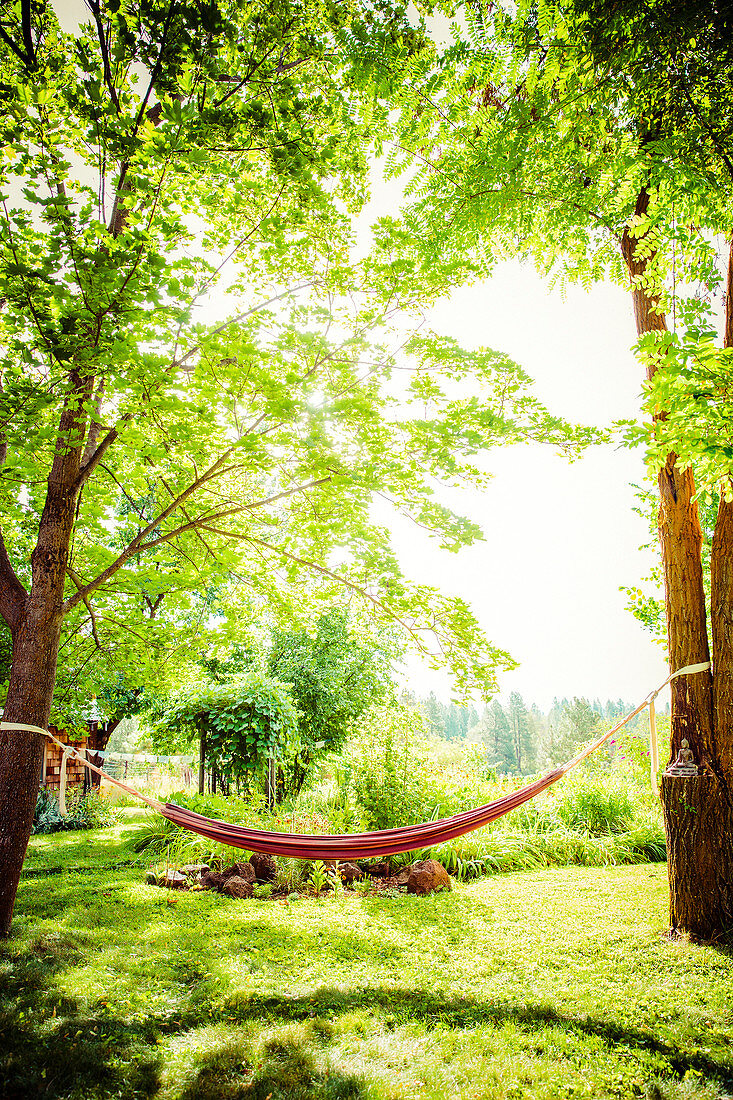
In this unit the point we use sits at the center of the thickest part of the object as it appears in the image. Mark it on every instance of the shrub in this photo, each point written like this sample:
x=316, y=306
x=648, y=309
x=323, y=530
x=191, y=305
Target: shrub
x=85, y=811
x=595, y=808
x=90, y=811
x=47, y=817
x=389, y=771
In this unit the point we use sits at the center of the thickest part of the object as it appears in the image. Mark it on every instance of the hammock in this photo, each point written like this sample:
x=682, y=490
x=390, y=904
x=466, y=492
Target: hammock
x=385, y=842
x=361, y=845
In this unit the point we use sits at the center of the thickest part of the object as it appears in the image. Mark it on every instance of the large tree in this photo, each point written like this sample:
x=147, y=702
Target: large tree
x=597, y=137
x=157, y=442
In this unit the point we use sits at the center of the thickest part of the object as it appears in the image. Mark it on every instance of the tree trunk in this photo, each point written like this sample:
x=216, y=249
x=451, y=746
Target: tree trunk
x=721, y=615
x=35, y=620
x=699, y=822
x=21, y=754
x=680, y=538
x=697, y=812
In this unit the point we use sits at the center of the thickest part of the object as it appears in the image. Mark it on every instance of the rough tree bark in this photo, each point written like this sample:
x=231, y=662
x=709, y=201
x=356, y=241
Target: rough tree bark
x=34, y=619
x=697, y=811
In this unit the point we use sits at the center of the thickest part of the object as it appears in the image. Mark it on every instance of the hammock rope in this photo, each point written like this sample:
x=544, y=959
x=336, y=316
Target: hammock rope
x=374, y=844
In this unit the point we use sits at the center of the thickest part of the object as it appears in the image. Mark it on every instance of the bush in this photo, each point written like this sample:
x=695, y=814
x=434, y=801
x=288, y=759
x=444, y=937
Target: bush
x=597, y=809
x=389, y=775
x=47, y=817
x=85, y=811
x=90, y=811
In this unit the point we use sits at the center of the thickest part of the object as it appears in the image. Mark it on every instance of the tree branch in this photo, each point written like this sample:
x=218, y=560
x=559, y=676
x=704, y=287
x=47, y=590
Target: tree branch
x=318, y=569
x=96, y=457
x=13, y=594
x=9, y=42
x=203, y=522
x=25, y=20
x=241, y=317
x=136, y=548
x=94, y=430
x=87, y=603
x=104, y=48
x=138, y=544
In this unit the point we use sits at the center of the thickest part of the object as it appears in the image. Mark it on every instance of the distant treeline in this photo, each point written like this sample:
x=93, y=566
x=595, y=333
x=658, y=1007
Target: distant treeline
x=521, y=739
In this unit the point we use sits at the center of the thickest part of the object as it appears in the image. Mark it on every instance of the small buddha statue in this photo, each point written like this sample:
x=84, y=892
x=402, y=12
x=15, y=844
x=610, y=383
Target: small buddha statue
x=684, y=756
x=685, y=762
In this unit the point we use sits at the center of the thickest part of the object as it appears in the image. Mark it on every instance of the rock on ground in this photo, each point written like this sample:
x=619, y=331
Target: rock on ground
x=212, y=880
x=348, y=872
x=174, y=880
x=381, y=869
x=426, y=876
x=237, y=887
x=241, y=870
x=194, y=870
x=264, y=865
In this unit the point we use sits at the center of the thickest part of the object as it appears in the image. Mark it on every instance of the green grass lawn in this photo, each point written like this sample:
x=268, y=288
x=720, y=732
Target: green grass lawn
x=552, y=983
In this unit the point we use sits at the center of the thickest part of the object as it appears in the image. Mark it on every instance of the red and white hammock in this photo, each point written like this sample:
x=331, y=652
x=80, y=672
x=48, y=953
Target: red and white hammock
x=384, y=842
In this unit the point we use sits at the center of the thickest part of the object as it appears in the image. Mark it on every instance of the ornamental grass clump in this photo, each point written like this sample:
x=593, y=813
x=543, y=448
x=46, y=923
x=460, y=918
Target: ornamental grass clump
x=158, y=835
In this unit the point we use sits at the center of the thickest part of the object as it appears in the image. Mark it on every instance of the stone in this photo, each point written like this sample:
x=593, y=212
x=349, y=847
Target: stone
x=194, y=870
x=174, y=880
x=381, y=869
x=403, y=877
x=426, y=876
x=348, y=872
x=237, y=887
x=212, y=880
x=264, y=865
x=241, y=870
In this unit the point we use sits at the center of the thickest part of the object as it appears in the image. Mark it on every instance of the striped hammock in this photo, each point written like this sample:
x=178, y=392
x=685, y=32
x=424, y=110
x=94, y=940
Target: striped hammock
x=384, y=842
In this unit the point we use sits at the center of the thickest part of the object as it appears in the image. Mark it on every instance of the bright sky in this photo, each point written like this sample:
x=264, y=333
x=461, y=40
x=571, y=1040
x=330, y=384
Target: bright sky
x=561, y=538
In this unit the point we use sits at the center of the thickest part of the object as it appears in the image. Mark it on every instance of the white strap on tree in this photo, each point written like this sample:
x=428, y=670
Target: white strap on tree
x=688, y=670
x=69, y=750
x=653, y=747
x=62, y=781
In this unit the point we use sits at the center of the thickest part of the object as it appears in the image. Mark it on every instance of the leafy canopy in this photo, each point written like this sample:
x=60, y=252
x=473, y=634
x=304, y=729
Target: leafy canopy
x=334, y=676
x=322, y=681
x=582, y=133
x=183, y=308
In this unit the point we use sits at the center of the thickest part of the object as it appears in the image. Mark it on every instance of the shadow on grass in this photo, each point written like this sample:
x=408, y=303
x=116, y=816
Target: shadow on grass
x=49, y=1049
x=55, y=1047
x=404, y=1006
x=285, y=1072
